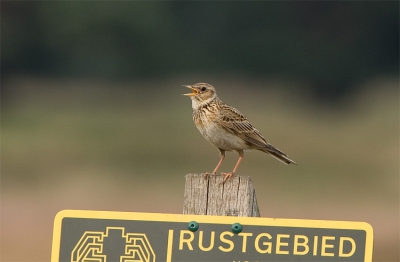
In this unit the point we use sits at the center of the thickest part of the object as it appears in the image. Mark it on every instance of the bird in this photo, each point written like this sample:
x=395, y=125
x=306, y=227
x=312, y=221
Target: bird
x=227, y=128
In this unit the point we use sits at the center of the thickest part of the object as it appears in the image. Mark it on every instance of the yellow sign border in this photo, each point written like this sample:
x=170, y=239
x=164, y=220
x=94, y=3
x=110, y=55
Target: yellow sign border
x=251, y=221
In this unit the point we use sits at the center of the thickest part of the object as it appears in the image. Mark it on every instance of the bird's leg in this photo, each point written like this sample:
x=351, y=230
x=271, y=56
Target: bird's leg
x=222, y=157
x=229, y=175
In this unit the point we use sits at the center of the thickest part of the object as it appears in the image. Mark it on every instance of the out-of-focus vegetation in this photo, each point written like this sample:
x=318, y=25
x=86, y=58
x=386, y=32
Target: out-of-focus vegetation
x=92, y=115
x=331, y=45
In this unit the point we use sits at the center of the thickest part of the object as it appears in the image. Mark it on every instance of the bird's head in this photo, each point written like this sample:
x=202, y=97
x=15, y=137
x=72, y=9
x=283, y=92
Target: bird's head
x=202, y=93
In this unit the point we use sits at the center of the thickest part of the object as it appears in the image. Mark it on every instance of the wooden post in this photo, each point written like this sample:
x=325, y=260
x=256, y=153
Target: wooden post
x=208, y=196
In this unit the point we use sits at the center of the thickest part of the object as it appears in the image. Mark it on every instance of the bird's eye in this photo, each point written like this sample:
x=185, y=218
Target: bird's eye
x=203, y=88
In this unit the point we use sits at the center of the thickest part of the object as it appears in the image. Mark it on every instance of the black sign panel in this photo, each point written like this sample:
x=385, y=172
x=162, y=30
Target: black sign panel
x=119, y=236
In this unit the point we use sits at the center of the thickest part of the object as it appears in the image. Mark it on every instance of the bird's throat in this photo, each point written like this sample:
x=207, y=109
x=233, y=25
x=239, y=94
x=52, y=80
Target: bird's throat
x=198, y=103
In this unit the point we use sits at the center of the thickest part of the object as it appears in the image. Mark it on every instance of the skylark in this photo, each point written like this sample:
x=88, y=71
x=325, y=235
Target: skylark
x=226, y=128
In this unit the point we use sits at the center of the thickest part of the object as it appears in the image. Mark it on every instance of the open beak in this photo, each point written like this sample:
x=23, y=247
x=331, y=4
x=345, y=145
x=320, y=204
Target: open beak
x=193, y=89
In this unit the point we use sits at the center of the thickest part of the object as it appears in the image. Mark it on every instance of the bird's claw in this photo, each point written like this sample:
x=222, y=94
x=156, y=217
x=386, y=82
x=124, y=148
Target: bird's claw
x=207, y=174
x=227, y=176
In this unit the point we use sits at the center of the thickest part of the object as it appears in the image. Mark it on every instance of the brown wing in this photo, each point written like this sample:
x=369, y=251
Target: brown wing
x=237, y=123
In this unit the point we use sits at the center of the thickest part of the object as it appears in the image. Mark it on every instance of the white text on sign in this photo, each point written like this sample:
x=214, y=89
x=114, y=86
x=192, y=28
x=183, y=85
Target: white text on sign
x=265, y=243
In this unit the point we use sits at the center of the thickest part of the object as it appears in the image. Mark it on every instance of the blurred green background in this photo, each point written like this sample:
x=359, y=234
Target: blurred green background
x=92, y=115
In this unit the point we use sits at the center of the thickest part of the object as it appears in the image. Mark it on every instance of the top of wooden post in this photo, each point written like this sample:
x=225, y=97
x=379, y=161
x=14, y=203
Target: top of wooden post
x=208, y=196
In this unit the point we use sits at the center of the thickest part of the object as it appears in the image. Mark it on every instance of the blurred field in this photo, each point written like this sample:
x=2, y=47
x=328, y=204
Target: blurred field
x=82, y=144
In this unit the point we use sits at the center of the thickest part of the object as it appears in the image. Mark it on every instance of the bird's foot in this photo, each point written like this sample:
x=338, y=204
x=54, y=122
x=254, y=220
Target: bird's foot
x=227, y=176
x=207, y=174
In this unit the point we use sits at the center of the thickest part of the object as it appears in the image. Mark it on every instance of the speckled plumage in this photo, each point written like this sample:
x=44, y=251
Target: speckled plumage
x=226, y=128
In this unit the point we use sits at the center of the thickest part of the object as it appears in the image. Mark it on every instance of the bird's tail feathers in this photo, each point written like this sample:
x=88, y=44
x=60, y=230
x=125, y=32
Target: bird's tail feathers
x=278, y=154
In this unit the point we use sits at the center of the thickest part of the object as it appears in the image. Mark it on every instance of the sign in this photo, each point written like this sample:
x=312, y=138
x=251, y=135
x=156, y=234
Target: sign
x=124, y=236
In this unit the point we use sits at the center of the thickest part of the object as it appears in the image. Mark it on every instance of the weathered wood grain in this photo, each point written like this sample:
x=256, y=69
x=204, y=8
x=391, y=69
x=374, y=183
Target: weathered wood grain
x=208, y=196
